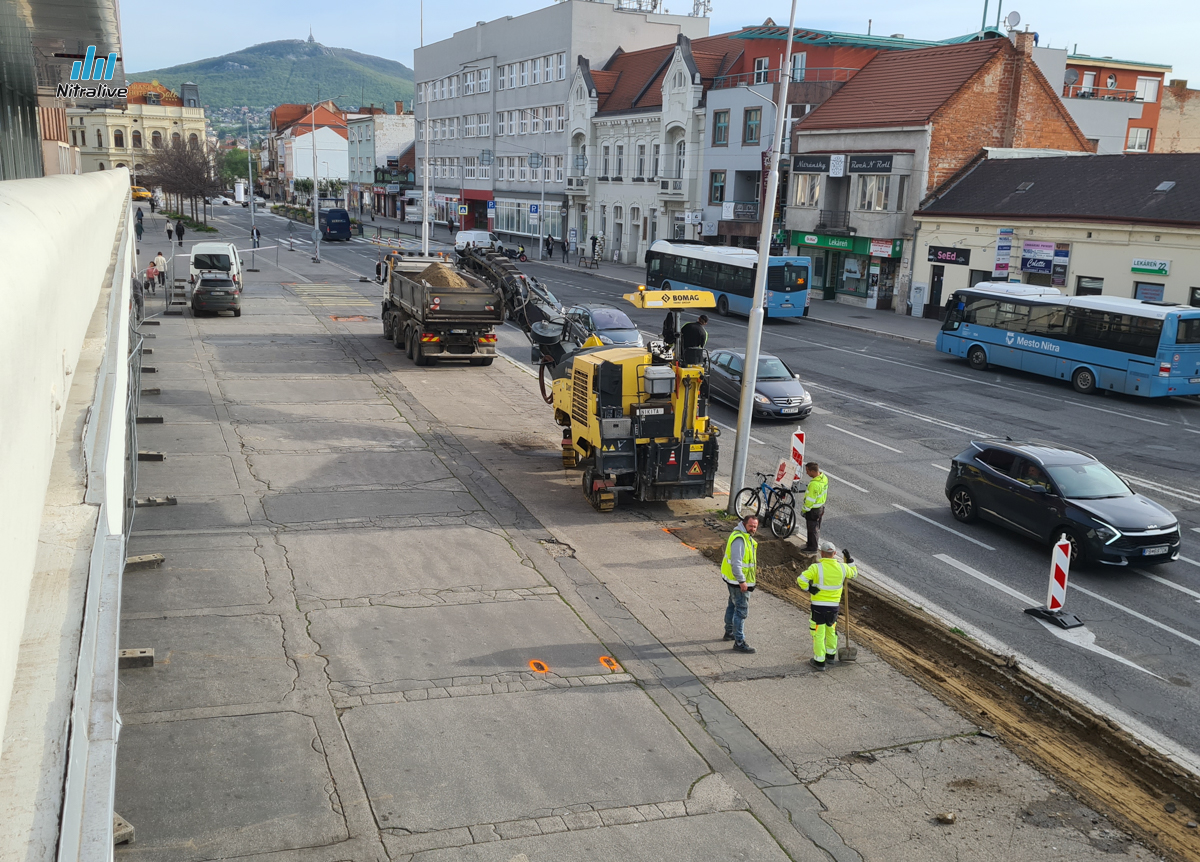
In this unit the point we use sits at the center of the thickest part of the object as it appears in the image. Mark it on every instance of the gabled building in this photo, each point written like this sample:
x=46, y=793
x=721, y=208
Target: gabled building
x=858, y=172
x=376, y=140
x=637, y=132
x=288, y=148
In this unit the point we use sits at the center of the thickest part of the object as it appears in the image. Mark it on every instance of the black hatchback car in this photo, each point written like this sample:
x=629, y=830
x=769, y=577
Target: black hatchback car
x=216, y=292
x=1045, y=491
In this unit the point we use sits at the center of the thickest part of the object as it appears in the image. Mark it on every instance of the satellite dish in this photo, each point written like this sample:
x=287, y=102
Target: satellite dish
x=1071, y=78
x=1012, y=20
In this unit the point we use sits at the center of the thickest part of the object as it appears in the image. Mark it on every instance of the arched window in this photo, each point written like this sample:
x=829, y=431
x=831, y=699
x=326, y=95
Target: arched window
x=118, y=140
x=102, y=166
x=120, y=164
x=193, y=140
x=680, y=152
x=175, y=138
x=139, y=167
x=137, y=139
x=156, y=140
x=99, y=139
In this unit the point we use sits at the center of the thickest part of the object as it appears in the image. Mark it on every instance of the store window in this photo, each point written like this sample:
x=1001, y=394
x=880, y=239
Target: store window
x=716, y=187
x=720, y=129
x=1086, y=285
x=808, y=190
x=1148, y=290
x=975, y=276
x=751, y=126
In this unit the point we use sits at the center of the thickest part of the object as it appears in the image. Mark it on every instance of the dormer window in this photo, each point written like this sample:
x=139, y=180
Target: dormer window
x=153, y=99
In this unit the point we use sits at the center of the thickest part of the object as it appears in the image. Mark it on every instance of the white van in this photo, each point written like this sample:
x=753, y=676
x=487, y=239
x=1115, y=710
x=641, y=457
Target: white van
x=215, y=257
x=477, y=238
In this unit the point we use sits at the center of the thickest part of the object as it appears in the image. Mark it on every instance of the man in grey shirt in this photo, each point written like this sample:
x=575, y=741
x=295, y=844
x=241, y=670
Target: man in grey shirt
x=738, y=569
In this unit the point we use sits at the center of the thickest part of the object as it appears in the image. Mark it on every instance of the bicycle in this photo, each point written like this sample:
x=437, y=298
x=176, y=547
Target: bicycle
x=778, y=501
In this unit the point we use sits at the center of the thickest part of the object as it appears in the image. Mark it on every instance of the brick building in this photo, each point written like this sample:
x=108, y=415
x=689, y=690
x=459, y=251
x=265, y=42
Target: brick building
x=906, y=123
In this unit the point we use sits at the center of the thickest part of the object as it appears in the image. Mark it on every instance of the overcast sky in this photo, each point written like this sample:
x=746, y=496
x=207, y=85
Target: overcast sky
x=1162, y=31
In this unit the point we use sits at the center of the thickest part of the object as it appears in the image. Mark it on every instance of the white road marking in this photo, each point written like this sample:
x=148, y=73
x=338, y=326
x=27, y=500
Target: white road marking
x=1159, y=579
x=1190, y=560
x=971, y=432
x=1196, y=529
x=1187, y=496
x=940, y=467
x=844, y=482
x=980, y=576
x=865, y=439
x=973, y=541
x=734, y=430
x=1134, y=613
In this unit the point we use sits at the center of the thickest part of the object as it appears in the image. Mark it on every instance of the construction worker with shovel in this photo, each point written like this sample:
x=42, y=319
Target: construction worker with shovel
x=825, y=581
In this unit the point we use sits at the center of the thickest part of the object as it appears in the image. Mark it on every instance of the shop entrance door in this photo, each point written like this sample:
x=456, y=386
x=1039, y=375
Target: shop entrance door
x=833, y=272
x=933, y=307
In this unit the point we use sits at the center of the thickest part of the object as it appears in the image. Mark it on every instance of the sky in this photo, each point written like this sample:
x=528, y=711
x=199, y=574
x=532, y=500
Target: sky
x=1162, y=31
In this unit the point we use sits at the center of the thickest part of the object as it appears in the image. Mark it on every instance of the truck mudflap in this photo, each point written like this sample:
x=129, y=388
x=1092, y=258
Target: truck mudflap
x=457, y=345
x=678, y=470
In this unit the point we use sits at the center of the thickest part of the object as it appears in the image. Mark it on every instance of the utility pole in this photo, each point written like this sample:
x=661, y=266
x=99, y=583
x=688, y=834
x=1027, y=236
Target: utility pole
x=316, y=197
x=426, y=209
x=741, y=446
x=250, y=170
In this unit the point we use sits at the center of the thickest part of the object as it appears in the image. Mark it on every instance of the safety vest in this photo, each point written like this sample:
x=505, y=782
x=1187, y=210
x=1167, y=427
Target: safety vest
x=749, y=559
x=818, y=490
x=829, y=575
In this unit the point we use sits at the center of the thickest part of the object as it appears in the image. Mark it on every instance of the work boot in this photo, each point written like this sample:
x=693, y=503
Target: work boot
x=830, y=657
x=818, y=665
x=742, y=646
x=728, y=636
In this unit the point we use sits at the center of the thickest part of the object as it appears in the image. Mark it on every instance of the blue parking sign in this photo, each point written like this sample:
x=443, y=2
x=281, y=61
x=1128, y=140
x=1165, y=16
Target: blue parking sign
x=491, y=205
x=533, y=209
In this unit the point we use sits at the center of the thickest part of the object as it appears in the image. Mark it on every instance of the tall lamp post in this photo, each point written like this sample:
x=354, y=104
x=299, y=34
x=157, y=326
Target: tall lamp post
x=316, y=197
x=741, y=446
x=250, y=171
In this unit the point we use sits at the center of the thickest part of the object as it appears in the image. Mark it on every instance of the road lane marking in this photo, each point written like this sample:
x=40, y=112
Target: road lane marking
x=1189, y=560
x=1187, y=496
x=1133, y=613
x=940, y=467
x=1196, y=529
x=1161, y=580
x=970, y=539
x=844, y=482
x=866, y=439
x=980, y=576
x=971, y=432
x=734, y=430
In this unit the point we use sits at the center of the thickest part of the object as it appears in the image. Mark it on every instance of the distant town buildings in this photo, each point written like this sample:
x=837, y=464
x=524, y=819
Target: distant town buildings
x=375, y=141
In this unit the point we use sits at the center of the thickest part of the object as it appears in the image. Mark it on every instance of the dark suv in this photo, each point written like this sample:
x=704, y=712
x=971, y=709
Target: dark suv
x=1045, y=491
x=216, y=292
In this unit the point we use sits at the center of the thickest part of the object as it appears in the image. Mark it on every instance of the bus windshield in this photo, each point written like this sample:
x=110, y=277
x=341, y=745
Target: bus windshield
x=795, y=277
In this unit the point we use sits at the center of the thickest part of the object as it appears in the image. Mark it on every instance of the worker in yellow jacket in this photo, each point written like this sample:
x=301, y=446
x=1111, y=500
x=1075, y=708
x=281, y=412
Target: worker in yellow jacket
x=823, y=580
x=813, y=507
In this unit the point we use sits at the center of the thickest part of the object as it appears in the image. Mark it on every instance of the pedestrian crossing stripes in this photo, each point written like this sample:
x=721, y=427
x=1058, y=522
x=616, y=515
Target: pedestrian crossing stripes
x=329, y=295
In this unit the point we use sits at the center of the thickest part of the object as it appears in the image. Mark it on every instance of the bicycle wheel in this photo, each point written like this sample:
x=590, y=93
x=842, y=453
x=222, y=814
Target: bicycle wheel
x=747, y=503
x=783, y=521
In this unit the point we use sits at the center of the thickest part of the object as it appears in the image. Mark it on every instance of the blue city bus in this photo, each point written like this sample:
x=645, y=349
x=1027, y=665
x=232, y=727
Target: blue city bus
x=729, y=273
x=1099, y=343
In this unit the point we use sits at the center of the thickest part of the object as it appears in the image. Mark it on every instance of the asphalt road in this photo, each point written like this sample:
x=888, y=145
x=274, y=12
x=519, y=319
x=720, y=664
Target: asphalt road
x=889, y=417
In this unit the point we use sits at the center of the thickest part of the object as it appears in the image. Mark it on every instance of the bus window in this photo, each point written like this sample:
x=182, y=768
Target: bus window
x=1012, y=315
x=1047, y=320
x=654, y=269
x=795, y=277
x=1189, y=331
x=954, y=314
x=981, y=312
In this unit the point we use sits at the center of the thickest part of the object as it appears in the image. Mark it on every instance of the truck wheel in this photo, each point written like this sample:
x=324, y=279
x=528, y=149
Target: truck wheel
x=419, y=357
x=397, y=335
x=408, y=345
x=484, y=361
x=387, y=326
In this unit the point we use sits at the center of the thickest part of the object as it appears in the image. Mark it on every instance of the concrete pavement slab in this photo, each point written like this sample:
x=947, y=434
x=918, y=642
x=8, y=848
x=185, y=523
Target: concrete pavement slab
x=216, y=788
x=194, y=578
x=294, y=471
x=603, y=746
x=316, y=506
x=732, y=835
x=173, y=369
x=304, y=436
x=285, y=368
x=176, y=414
x=297, y=391
x=194, y=439
x=177, y=391
x=392, y=560
x=188, y=475
x=224, y=324
x=346, y=412
x=196, y=513
x=411, y=647
x=206, y=661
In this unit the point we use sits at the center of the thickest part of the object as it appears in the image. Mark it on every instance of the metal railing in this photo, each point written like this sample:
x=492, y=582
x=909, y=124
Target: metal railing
x=834, y=219
x=1079, y=91
x=771, y=76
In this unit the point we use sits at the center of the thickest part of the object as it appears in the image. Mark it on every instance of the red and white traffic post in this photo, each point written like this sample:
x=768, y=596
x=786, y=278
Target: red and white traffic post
x=797, y=452
x=1056, y=594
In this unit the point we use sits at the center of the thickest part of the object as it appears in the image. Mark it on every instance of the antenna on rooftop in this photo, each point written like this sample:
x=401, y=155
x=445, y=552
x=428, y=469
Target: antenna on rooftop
x=1012, y=19
x=701, y=8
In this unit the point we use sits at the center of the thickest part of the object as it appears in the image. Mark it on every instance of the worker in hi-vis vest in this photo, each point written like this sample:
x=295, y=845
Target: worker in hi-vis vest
x=824, y=580
x=738, y=569
x=813, y=508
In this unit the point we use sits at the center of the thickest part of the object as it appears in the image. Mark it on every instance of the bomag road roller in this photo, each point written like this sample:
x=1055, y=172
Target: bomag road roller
x=634, y=420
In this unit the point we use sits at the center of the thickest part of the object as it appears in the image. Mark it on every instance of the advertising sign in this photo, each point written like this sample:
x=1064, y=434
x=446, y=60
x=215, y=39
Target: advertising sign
x=803, y=164
x=1004, y=241
x=881, y=248
x=837, y=166
x=944, y=254
x=1037, y=256
x=392, y=189
x=1148, y=292
x=1146, y=266
x=871, y=164
x=1062, y=260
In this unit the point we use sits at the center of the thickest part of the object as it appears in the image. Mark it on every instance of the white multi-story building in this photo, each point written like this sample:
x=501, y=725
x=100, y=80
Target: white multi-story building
x=494, y=99
x=375, y=138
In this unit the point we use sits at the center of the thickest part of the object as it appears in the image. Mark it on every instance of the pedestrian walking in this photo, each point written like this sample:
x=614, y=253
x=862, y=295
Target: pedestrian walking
x=813, y=508
x=824, y=581
x=161, y=263
x=255, y=237
x=139, y=215
x=151, y=276
x=549, y=247
x=138, y=229
x=738, y=568
x=694, y=336
x=565, y=250
x=179, y=232
x=170, y=230
x=153, y=204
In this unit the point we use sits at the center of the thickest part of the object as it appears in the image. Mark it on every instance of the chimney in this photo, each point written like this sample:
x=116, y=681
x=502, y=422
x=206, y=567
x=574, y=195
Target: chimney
x=399, y=107
x=1024, y=42
x=1178, y=83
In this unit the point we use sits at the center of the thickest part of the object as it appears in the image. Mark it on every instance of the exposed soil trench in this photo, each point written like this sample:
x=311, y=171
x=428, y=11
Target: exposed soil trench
x=1103, y=765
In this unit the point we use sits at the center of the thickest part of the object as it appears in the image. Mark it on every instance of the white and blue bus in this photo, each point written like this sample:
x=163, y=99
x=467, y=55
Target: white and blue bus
x=1099, y=343
x=729, y=273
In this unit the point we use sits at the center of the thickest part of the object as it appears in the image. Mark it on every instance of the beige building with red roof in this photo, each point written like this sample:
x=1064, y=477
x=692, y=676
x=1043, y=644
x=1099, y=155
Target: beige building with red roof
x=153, y=116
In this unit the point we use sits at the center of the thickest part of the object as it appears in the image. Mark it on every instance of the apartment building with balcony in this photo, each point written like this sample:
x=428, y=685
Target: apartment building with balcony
x=375, y=141
x=857, y=176
x=494, y=99
x=1095, y=84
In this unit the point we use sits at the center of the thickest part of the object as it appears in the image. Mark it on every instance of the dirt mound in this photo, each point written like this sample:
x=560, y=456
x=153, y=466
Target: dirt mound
x=440, y=275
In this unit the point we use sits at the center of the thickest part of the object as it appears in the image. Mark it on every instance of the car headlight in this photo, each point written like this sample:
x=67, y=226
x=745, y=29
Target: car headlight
x=805, y=398
x=1107, y=534
x=761, y=399
x=604, y=339
x=641, y=341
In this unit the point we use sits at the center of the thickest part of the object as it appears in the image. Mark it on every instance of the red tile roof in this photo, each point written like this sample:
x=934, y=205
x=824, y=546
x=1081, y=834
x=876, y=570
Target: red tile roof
x=322, y=118
x=633, y=80
x=903, y=88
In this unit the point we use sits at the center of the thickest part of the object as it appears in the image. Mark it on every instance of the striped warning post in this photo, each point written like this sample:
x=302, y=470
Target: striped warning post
x=797, y=451
x=1060, y=565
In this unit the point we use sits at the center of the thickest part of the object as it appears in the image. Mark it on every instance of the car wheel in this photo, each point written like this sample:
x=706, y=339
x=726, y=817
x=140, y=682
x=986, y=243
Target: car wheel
x=1084, y=381
x=723, y=306
x=962, y=505
x=237, y=312
x=1078, y=551
x=977, y=358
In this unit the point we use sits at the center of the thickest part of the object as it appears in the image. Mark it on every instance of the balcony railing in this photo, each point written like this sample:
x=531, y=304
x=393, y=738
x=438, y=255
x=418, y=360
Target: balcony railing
x=771, y=76
x=1079, y=91
x=739, y=211
x=834, y=219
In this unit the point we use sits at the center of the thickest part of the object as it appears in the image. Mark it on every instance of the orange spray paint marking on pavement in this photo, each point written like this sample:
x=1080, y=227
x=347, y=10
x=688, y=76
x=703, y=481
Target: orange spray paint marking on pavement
x=610, y=663
x=538, y=666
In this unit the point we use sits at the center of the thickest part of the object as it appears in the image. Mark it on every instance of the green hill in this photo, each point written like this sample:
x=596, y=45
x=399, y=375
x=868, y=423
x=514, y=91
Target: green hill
x=274, y=73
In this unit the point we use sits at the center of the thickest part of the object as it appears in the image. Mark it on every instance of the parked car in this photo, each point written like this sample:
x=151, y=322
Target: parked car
x=141, y=194
x=215, y=293
x=1044, y=491
x=606, y=322
x=219, y=200
x=219, y=257
x=477, y=238
x=778, y=392
x=258, y=201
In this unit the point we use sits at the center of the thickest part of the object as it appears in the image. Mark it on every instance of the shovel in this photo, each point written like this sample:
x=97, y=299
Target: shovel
x=849, y=652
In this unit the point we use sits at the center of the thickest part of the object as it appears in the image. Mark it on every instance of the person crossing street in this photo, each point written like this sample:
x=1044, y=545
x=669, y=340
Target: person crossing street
x=824, y=581
x=813, y=508
x=738, y=569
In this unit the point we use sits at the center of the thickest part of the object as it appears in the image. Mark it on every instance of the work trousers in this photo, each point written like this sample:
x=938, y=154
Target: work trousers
x=812, y=521
x=736, y=612
x=823, y=626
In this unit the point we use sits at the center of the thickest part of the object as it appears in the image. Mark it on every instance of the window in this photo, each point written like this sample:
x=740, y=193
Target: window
x=524, y=122
x=1138, y=141
x=641, y=161
x=484, y=172
x=560, y=118
x=620, y=160
x=654, y=163
x=1086, y=285
x=808, y=190
x=469, y=127
x=716, y=187
x=485, y=125
x=881, y=192
x=468, y=83
x=99, y=138
x=524, y=82
x=720, y=128
x=1189, y=328
x=1147, y=89
x=799, y=61
x=512, y=122
x=485, y=80
x=548, y=168
x=452, y=86
x=522, y=168
x=1194, y=301
x=558, y=169
x=499, y=123
x=512, y=76
x=680, y=159
x=998, y=459
x=535, y=73
x=118, y=139
x=537, y=120
x=604, y=161
x=751, y=125
x=501, y=77
x=562, y=67
x=760, y=70
x=156, y=140
x=193, y=139
x=75, y=142
x=1089, y=82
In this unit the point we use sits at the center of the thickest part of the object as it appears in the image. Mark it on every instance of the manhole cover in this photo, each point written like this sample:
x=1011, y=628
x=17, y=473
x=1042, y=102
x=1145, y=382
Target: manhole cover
x=354, y=317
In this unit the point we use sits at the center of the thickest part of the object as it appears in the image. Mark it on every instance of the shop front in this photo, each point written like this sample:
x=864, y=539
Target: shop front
x=856, y=270
x=476, y=216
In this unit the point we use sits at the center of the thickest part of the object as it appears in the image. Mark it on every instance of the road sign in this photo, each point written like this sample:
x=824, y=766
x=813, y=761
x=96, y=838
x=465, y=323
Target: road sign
x=463, y=209
x=1056, y=593
x=533, y=209
x=491, y=206
x=695, y=469
x=783, y=473
x=316, y=235
x=797, y=451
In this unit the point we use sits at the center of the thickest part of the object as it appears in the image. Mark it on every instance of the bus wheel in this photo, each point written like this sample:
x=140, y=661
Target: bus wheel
x=723, y=306
x=977, y=358
x=1084, y=381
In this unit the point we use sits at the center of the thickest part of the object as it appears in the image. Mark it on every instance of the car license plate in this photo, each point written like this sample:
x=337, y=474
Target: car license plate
x=1194, y=380
x=790, y=410
x=217, y=293
x=458, y=332
x=1156, y=550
